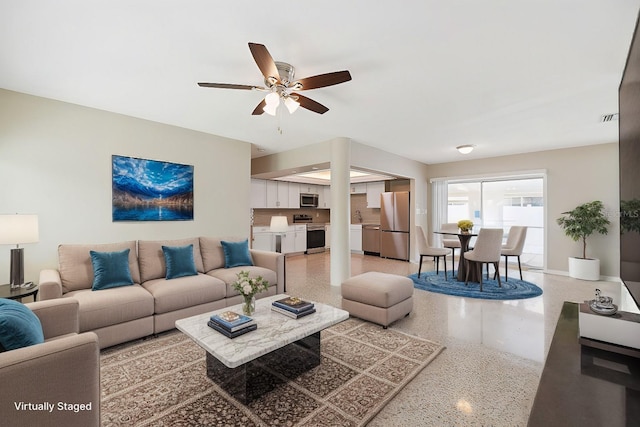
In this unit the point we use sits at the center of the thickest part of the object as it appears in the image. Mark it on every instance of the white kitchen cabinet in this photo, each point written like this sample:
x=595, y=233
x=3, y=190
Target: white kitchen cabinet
x=300, y=244
x=360, y=188
x=374, y=189
x=309, y=188
x=324, y=197
x=327, y=236
x=294, y=195
x=355, y=241
x=277, y=194
x=263, y=241
x=288, y=242
x=258, y=193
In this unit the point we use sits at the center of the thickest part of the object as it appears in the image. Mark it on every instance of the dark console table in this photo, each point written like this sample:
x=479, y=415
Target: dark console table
x=585, y=386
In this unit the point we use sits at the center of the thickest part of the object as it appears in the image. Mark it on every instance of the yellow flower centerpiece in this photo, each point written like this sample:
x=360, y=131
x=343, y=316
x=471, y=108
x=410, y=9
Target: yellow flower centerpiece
x=465, y=225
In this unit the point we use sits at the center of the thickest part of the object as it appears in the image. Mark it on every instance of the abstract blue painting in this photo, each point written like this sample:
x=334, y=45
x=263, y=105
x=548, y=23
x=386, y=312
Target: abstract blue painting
x=150, y=190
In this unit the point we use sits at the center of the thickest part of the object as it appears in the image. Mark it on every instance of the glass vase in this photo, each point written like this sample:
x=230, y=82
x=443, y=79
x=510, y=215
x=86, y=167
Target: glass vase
x=249, y=305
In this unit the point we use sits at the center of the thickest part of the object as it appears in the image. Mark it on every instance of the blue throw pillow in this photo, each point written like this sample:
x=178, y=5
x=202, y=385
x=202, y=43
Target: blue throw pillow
x=110, y=269
x=19, y=326
x=236, y=254
x=179, y=261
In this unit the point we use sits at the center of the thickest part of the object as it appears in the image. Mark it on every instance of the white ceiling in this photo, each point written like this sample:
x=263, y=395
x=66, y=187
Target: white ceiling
x=509, y=76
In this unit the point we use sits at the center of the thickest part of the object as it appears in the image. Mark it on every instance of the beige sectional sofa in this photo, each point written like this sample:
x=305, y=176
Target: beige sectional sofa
x=153, y=303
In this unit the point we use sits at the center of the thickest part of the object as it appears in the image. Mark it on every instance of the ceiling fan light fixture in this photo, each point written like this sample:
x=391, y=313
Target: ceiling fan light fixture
x=465, y=149
x=271, y=103
x=291, y=104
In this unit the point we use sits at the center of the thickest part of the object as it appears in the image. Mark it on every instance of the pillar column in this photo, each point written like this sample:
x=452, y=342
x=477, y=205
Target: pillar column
x=340, y=210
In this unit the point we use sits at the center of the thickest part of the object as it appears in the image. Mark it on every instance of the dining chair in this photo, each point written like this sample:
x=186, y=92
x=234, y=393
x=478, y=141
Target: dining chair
x=513, y=247
x=451, y=242
x=426, y=250
x=486, y=251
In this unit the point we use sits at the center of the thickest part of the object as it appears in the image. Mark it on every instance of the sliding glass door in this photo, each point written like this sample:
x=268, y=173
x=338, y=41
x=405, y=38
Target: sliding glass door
x=501, y=203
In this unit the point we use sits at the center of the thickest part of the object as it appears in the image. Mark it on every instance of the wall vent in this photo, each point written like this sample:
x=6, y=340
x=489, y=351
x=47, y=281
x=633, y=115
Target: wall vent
x=609, y=117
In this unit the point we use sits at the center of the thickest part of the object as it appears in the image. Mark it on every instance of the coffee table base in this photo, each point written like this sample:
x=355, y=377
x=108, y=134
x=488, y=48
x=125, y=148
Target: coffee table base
x=253, y=379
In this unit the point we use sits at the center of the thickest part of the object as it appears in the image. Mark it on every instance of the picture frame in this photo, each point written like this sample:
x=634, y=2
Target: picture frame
x=150, y=190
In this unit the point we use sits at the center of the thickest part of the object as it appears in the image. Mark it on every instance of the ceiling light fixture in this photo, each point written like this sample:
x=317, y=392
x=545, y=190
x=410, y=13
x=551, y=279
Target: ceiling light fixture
x=271, y=103
x=465, y=149
x=291, y=104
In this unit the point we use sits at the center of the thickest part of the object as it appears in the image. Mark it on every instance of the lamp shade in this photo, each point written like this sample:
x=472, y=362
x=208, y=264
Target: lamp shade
x=17, y=229
x=279, y=224
x=291, y=105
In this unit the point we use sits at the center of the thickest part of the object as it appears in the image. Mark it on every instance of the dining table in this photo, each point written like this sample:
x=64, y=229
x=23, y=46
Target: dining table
x=465, y=238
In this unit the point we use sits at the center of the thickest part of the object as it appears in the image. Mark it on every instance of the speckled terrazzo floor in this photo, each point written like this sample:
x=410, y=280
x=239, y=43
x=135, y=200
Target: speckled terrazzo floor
x=488, y=375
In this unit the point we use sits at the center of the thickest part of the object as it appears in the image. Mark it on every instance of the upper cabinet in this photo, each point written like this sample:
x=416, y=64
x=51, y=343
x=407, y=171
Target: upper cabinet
x=294, y=195
x=274, y=194
x=374, y=189
x=360, y=188
x=278, y=194
x=258, y=193
x=324, y=197
x=309, y=188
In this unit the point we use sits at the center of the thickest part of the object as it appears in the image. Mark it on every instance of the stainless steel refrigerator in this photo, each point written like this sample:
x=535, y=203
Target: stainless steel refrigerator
x=394, y=225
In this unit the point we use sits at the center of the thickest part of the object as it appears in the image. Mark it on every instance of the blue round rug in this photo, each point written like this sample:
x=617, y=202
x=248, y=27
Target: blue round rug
x=513, y=289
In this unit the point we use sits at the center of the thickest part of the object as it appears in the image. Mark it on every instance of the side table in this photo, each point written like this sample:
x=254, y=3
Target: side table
x=18, y=293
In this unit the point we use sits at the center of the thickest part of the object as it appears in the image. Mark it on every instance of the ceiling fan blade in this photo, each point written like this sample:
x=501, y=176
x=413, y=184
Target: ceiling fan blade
x=228, y=86
x=264, y=60
x=310, y=104
x=259, y=109
x=323, y=80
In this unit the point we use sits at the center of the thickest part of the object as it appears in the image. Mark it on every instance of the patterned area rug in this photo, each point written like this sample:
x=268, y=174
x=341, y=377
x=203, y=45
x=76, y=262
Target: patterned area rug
x=512, y=289
x=162, y=382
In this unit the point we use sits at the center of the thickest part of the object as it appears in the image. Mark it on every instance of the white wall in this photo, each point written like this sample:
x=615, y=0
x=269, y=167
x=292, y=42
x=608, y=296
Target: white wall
x=55, y=161
x=574, y=176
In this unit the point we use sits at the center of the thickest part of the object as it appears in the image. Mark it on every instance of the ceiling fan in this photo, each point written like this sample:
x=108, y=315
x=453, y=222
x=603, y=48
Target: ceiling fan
x=280, y=83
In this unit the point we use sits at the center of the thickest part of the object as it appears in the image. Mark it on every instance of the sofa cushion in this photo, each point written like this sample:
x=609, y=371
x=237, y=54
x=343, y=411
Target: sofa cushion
x=110, y=269
x=212, y=252
x=179, y=261
x=19, y=326
x=230, y=275
x=183, y=292
x=236, y=254
x=151, y=257
x=76, y=270
x=108, y=307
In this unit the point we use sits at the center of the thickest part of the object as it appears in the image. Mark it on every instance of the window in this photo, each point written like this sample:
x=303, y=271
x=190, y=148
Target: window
x=501, y=203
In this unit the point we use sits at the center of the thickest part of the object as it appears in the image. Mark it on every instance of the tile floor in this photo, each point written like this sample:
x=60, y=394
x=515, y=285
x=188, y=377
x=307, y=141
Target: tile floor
x=489, y=373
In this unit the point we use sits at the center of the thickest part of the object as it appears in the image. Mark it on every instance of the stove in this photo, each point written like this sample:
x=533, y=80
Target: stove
x=315, y=233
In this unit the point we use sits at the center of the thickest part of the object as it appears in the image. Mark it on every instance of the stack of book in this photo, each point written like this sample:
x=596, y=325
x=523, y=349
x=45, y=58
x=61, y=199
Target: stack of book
x=232, y=324
x=293, y=307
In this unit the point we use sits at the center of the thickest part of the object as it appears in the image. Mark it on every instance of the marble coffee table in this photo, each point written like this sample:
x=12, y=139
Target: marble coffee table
x=244, y=366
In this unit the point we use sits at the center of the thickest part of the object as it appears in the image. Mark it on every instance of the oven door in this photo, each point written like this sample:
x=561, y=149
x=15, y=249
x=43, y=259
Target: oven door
x=315, y=240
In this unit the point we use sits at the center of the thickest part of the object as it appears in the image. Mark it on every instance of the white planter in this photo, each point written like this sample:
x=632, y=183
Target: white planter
x=585, y=269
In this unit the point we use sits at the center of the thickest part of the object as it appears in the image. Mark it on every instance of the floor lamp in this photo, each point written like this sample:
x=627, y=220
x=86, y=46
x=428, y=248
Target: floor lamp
x=279, y=226
x=14, y=230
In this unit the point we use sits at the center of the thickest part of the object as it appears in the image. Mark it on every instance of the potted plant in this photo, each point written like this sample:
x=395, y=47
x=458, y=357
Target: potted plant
x=465, y=225
x=579, y=224
x=248, y=287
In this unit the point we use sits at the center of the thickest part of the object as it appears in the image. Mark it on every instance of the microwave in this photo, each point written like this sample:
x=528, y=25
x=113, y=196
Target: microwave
x=308, y=200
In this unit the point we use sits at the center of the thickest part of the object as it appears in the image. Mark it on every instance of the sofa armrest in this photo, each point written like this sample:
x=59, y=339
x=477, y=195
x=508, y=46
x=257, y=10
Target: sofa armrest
x=65, y=370
x=58, y=317
x=273, y=261
x=50, y=285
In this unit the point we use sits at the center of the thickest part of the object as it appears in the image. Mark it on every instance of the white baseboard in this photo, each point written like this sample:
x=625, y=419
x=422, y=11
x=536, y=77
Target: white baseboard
x=566, y=273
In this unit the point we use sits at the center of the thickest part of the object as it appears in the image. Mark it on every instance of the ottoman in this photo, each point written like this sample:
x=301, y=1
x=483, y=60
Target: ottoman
x=378, y=297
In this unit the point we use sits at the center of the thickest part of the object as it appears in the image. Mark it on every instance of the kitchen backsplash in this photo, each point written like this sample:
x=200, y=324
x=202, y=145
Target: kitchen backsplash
x=369, y=215
x=262, y=217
